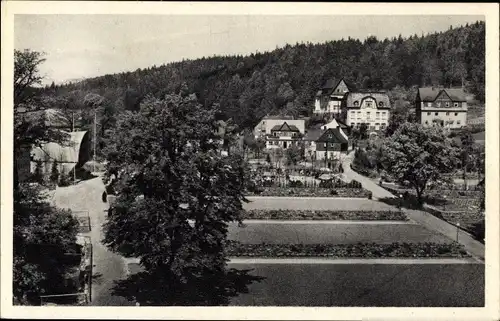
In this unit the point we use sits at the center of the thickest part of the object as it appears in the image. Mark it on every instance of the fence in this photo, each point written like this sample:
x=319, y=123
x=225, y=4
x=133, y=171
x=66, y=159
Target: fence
x=84, y=296
x=83, y=218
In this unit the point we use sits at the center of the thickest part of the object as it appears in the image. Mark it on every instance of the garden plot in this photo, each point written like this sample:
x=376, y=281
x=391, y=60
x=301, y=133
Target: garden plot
x=332, y=232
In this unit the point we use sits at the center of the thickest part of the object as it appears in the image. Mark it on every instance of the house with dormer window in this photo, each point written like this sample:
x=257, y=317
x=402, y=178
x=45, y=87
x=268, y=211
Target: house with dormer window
x=441, y=107
x=367, y=107
x=283, y=136
x=329, y=97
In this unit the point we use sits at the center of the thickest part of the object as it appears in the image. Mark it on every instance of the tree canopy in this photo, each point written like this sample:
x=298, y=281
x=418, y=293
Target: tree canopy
x=43, y=235
x=176, y=195
x=418, y=155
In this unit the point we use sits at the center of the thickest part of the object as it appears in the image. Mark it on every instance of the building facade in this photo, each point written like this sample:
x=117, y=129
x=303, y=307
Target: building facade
x=371, y=108
x=441, y=107
x=264, y=127
x=326, y=143
x=329, y=98
x=283, y=136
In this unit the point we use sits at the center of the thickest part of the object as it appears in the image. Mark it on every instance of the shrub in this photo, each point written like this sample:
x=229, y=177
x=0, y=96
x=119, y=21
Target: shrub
x=38, y=174
x=363, y=250
x=311, y=192
x=354, y=184
x=334, y=192
x=324, y=215
x=295, y=184
x=54, y=172
x=64, y=180
x=370, y=194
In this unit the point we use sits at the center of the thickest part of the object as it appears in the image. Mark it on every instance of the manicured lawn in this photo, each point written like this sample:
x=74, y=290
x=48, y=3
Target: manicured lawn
x=316, y=233
x=382, y=285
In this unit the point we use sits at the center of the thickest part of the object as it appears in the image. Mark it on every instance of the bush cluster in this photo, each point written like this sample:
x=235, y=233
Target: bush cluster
x=310, y=192
x=358, y=250
x=324, y=215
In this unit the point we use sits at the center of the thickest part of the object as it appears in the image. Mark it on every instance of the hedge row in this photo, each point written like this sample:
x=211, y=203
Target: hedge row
x=324, y=215
x=359, y=250
x=311, y=192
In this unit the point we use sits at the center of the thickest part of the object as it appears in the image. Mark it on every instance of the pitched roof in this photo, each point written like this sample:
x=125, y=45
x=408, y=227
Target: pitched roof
x=51, y=117
x=331, y=84
x=351, y=97
x=285, y=127
x=278, y=117
x=313, y=134
x=336, y=134
x=431, y=93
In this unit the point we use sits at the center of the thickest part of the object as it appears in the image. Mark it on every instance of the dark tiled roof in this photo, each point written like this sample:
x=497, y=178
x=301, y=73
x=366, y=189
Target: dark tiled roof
x=351, y=97
x=336, y=133
x=285, y=127
x=431, y=93
x=331, y=84
x=313, y=134
x=278, y=117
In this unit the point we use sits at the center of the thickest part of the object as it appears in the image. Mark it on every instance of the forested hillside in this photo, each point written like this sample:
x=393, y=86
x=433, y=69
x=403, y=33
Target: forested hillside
x=286, y=79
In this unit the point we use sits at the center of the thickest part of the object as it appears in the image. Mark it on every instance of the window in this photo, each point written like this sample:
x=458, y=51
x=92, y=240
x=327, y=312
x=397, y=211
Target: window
x=332, y=145
x=377, y=124
x=368, y=114
x=428, y=114
x=455, y=104
x=368, y=104
x=452, y=122
x=456, y=114
x=381, y=104
x=356, y=103
x=325, y=145
x=436, y=114
x=458, y=122
x=447, y=113
x=377, y=115
x=429, y=104
x=352, y=124
x=384, y=114
x=447, y=104
x=427, y=122
x=438, y=104
x=382, y=126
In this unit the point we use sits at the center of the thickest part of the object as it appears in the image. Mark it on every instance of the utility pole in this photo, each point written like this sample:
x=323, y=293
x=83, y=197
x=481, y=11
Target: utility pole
x=95, y=135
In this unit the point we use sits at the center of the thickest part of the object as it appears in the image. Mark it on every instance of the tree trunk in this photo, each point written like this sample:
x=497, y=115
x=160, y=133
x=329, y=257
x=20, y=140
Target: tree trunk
x=465, y=175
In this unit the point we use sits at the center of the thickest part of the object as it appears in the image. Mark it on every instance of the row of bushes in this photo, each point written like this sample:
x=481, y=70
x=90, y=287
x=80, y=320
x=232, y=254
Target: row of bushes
x=324, y=215
x=359, y=250
x=311, y=192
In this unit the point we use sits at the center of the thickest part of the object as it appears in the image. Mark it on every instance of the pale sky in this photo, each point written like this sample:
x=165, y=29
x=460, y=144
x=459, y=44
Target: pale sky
x=79, y=46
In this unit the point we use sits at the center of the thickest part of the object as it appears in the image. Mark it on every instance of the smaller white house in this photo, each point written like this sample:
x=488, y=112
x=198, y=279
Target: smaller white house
x=267, y=123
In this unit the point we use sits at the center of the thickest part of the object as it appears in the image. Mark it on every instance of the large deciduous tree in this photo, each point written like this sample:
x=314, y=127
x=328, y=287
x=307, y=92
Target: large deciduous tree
x=418, y=155
x=43, y=235
x=176, y=196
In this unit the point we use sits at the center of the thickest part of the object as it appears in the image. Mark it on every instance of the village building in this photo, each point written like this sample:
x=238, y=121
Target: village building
x=283, y=136
x=442, y=107
x=327, y=143
x=367, y=107
x=267, y=123
x=329, y=98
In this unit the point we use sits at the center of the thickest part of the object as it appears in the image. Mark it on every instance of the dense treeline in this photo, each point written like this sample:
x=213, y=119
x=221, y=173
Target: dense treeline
x=286, y=79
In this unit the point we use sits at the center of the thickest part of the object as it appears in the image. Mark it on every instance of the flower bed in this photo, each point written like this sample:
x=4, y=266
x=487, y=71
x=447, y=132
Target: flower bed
x=324, y=215
x=359, y=250
x=311, y=192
